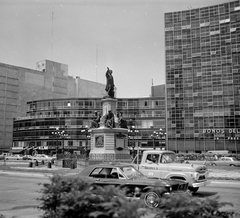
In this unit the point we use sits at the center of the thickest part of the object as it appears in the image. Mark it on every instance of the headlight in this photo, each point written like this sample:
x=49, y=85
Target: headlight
x=170, y=189
x=196, y=175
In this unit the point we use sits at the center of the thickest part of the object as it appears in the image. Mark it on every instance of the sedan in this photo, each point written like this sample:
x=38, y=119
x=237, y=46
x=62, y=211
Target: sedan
x=136, y=184
x=226, y=161
x=42, y=157
x=13, y=157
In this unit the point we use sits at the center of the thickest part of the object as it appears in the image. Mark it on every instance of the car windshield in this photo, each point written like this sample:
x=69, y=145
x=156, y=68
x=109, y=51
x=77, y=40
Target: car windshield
x=131, y=172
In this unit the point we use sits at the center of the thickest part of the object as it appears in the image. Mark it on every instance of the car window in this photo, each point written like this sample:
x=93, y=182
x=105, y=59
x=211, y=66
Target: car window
x=102, y=172
x=115, y=174
x=96, y=171
x=152, y=158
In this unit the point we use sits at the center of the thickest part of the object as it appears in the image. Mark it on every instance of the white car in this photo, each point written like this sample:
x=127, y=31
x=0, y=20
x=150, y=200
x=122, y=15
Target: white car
x=14, y=157
x=42, y=157
x=226, y=161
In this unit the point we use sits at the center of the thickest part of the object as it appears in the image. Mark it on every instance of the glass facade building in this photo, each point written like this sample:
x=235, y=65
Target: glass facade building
x=36, y=130
x=202, y=48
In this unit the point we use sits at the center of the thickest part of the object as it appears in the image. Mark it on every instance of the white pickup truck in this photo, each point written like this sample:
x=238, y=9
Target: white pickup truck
x=161, y=164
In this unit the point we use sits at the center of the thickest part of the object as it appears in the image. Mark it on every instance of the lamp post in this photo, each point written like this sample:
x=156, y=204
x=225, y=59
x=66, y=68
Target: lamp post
x=59, y=135
x=132, y=132
x=158, y=135
x=87, y=132
x=153, y=138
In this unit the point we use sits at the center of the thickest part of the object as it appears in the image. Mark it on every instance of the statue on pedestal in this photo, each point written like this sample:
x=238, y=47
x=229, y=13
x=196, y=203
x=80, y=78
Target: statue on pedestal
x=110, y=83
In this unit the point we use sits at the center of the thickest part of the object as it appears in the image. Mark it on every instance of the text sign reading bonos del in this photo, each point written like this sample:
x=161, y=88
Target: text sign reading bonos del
x=221, y=131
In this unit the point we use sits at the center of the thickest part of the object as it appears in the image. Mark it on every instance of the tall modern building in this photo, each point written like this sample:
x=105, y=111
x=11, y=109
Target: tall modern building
x=202, y=48
x=19, y=85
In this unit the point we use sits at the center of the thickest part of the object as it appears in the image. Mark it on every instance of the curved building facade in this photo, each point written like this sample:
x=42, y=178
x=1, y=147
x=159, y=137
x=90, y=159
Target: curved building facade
x=202, y=48
x=72, y=117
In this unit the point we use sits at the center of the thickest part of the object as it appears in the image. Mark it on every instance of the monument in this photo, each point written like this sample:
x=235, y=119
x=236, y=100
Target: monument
x=109, y=137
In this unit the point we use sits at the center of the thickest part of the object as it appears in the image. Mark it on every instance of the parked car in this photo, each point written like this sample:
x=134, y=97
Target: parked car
x=226, y=161
x=13, y=157
x=42, y=157
x=27, y=157
x=127, y=176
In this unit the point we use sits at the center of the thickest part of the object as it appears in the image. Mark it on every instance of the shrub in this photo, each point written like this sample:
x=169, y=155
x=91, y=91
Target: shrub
x=78, y=197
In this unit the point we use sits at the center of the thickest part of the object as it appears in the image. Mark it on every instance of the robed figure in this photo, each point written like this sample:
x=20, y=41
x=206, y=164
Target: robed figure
x=110, y=83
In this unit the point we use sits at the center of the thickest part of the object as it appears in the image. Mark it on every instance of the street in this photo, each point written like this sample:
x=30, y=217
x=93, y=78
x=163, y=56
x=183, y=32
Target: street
x=19, y=193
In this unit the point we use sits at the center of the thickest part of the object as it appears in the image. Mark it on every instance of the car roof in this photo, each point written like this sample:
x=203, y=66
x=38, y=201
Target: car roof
x=110, y=164
x=89, y=168
x=159, y=152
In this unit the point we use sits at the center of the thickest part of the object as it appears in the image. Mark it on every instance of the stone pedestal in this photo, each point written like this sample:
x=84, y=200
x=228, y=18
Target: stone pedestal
x=109, y=144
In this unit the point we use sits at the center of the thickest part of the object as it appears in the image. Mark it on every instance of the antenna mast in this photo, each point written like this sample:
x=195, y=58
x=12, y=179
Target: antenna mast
x=52, y=16
x=97, y=64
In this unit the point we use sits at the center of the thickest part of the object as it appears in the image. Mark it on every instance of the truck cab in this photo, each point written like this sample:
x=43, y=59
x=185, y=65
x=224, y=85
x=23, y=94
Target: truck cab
x=162, y=164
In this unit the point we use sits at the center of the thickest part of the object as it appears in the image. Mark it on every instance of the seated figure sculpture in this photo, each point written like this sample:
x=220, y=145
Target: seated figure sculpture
x=96, y=120
x=109, y=120
x=121, y=122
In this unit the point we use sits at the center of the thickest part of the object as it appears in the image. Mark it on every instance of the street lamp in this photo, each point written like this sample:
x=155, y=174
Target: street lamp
x=59, y=135
x=132, y=132
x=153, y=138
x=87, y=132
x=160, y=134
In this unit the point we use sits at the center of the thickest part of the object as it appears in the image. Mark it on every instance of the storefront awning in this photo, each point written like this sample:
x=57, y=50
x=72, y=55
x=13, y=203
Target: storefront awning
x=16, y=151
x=5, y=149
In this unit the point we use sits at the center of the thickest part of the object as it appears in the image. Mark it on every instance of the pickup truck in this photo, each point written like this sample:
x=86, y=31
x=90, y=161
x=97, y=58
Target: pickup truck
x=162, y=164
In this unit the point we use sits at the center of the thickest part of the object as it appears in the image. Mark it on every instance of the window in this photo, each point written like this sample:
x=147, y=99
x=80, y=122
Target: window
x=152, y=158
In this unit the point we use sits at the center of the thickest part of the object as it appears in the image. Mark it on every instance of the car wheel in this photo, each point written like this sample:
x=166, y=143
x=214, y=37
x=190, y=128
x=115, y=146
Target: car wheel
x=232, y=165
x=151, y=199
x=193, y=189
x=213, y=164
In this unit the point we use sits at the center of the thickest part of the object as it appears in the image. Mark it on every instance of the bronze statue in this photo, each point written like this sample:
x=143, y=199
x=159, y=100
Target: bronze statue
x=110, y=83
x=96, y=120
x=109, y=120
x=121, y=122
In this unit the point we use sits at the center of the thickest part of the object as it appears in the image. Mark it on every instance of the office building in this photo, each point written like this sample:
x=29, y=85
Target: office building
x=50, y=80
x=202, y=48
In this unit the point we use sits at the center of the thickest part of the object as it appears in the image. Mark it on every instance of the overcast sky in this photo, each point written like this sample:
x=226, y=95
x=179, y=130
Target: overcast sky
x=90, y=35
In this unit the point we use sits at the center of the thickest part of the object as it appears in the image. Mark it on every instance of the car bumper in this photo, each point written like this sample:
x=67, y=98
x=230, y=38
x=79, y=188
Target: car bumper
x=200, y=184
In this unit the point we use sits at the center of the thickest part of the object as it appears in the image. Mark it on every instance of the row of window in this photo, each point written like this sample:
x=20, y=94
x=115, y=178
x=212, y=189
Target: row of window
x=212, y=11
x=96, y=103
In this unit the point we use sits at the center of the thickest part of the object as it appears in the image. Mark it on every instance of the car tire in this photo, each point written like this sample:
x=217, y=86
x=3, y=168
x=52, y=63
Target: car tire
x=193, y=189
x=151, y=199
x=213, y=164
x=232, y=165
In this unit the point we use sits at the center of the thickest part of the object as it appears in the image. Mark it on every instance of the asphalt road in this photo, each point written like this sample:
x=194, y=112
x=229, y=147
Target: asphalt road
x=19, y=193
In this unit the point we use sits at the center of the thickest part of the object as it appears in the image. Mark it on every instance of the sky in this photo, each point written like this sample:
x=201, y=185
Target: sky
x=90, y=35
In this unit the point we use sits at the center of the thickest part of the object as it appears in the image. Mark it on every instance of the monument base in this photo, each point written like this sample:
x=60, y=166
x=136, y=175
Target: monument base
x=109, y=145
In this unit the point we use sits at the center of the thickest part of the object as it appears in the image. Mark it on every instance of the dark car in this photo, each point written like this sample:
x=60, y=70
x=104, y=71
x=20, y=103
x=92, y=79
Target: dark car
x=127, y=176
